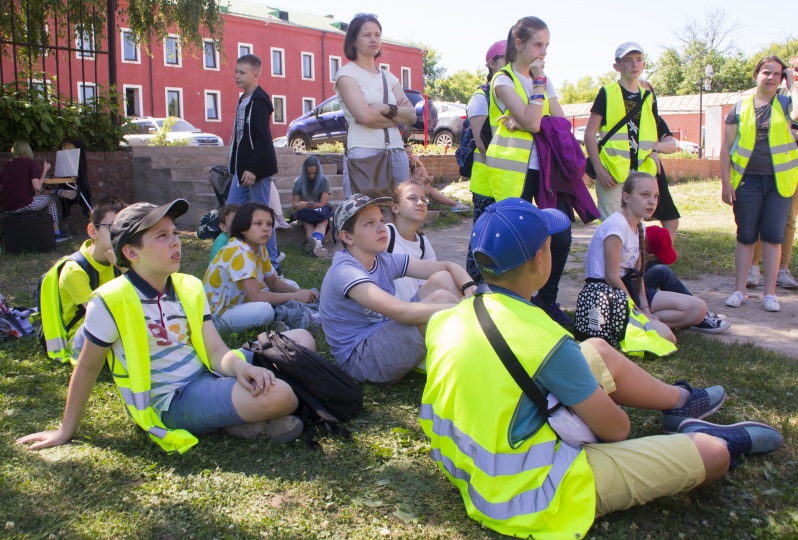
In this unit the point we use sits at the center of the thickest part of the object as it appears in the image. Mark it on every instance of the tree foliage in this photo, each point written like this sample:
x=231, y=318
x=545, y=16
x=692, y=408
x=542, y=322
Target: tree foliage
x=459, y=86
x=431, y=67
x=585, y=89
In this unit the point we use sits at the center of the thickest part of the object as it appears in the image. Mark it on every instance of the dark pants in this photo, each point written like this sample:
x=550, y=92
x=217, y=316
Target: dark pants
x=661, y=278
x=560, y=242
x=480, y=202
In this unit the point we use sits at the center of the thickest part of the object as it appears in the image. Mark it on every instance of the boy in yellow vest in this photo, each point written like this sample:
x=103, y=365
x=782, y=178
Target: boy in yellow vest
x=514, y=473
x=634, y=146
x=175, y=374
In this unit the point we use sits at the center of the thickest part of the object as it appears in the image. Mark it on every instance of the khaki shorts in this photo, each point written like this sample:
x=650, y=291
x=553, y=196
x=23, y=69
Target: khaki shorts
x=633, y=472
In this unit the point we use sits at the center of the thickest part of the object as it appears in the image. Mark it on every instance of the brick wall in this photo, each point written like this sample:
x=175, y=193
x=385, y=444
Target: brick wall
x=441, y=165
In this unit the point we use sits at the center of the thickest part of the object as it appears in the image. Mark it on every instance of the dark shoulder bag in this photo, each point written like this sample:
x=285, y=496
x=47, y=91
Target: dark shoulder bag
x=589, y=170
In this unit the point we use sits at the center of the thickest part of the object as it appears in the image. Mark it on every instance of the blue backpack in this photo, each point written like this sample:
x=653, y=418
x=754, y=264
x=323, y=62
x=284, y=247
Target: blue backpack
x=465, y=152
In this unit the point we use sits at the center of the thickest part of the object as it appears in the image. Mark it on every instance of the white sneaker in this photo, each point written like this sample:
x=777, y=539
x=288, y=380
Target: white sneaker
x=770, y=303
x=754, y=276
x=318, y=249
x=280, y=257
x=736, y=299
x=460, y=207
x=785, y=279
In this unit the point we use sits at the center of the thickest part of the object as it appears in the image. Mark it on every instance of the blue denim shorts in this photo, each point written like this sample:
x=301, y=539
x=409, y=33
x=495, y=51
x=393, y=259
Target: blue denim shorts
x=759, y=210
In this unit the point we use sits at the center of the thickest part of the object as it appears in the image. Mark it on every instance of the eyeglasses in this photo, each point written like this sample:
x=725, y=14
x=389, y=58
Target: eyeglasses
x=497, y=57
x=365, y=16
x=415, y=199
x=104, y=225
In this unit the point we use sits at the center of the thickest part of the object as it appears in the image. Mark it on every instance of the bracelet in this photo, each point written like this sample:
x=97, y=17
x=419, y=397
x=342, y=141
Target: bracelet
x=467, y=285
x=540, y=81
x=537, y=96
x=655, y=151
x=536, y=102
x=392, y=112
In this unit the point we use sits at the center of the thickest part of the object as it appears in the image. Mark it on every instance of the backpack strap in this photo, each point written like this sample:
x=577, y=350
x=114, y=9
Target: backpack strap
x=421, y=239
x=94, y=282
x=391, y=238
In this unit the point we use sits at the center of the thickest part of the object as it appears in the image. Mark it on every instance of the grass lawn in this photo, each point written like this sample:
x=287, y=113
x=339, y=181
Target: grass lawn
x=111, y=482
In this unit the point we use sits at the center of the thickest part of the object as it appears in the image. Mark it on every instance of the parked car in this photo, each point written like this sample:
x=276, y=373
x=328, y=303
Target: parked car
x=689, y=147
x=280, y=142
x=326, y=123
x=147, y=128
x=579, y=135
x=449, y=129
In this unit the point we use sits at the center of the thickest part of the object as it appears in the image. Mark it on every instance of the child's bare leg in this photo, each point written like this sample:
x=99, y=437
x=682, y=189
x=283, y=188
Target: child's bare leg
x=437, y=196
x=278, y=401
x=434, y=288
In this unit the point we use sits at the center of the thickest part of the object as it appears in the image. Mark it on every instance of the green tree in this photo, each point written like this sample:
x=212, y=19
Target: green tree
x=459, y=86
x=785, y=49
x=433, y=72
x=667, y=73
x=585, y=89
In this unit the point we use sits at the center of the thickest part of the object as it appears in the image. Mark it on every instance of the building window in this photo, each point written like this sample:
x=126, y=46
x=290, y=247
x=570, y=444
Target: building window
x=130, y=49
x=87, y=92
x=279, y=109
x=335, y=65
x=84, y=43
x=132, y=100
x=244, y=49
x=308, y=104
x=386, y=67
x=172, y=52
x=210, y=55
x=174, y=102
x=278, y=68
x=213, y=113
x=43, y=88
x=405, y=78
x=307, y=66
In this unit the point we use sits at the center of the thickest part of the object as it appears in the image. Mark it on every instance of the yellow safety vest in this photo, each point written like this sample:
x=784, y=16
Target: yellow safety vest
x=539, y=487
x=480, y=182
x=507, y=157
x=783, y=148
x=615, y=155
x=133, y=379
x=641, y=337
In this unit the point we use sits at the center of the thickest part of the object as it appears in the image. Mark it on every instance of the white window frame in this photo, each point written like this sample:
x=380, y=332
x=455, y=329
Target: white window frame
x=311, y=101
x=282, y=61
x=332, y=75
x=180, y=100
x=218, y=95
x=166, y=62
x=283, y=109
x=140, y=99
x=82, y=92
x=409, y=78
x=251, y=48
x=122, y=40
x=80, y=54
x=215, y=55
x=386, y=67
x=44, y=82
x=312, y=57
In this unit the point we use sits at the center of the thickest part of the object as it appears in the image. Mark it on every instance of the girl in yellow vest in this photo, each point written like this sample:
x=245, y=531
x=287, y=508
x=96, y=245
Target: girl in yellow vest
x=521, y=95
x=759, y=174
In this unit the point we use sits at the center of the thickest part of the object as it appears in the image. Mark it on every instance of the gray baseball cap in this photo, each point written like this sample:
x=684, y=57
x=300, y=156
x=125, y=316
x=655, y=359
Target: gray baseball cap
x=625, y=48
x=354, y=204
x=139, y=217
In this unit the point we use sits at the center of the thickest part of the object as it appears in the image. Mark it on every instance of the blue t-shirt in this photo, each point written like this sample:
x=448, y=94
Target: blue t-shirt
x=347, y=323
x=218, y=244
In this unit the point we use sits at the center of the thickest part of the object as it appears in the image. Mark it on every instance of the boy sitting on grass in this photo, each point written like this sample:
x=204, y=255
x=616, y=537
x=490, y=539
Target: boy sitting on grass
x=373, y=335
x=226, y=215
x=175, y=374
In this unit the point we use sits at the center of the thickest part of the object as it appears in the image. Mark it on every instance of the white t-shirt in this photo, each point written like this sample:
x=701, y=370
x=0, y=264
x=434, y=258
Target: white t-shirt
x=407, y=287
x=477, y=105
x=240, y=116
x=615, y=225
x=526, y=82
x=360, y=136
x=224, y=278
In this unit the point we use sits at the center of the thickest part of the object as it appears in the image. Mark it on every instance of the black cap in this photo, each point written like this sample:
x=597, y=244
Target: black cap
x=139, y=217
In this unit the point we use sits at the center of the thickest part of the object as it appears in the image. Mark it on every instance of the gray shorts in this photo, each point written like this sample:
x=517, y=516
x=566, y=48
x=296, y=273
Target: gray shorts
x=387, y=355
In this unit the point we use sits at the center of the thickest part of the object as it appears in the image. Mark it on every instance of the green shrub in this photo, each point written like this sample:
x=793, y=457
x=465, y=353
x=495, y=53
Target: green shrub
x=161, y=138
x=331, y=148
x=432, y=149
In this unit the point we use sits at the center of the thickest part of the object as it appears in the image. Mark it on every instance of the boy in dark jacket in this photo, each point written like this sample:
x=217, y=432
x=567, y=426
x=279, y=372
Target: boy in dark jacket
x=252, y=158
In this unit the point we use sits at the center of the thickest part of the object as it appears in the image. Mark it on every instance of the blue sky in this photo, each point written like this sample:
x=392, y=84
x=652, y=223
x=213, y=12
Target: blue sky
x=584, y=34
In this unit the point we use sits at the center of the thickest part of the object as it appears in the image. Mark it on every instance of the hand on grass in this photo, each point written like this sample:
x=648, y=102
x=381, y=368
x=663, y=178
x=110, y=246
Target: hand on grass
x=45, y=439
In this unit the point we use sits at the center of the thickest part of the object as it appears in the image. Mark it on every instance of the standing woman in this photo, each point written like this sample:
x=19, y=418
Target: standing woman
x=759, y=174
x=521, y=96
x=360, y=87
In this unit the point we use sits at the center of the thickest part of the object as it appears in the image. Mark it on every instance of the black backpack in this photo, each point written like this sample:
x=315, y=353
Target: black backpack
x=392, y=240
x=326, y=394
x=208, y=227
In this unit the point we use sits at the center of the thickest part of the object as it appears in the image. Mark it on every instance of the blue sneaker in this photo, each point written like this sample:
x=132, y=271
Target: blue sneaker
x=742, y=439
x=701, y=403
x=554, y=312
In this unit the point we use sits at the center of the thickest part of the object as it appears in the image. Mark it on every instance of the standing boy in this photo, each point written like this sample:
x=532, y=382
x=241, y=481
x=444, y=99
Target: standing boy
x=634, y=146
x=65, y=289
x=373, y=335
x=174, y=373
x=252, y=159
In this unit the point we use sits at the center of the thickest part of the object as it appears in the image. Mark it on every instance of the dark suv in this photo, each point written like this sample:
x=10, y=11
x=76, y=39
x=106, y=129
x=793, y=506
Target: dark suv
x=327, y=124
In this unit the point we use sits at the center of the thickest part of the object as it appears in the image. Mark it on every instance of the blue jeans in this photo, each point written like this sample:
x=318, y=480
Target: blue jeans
x=260, y=191
x=661, y=278
x=759, y=210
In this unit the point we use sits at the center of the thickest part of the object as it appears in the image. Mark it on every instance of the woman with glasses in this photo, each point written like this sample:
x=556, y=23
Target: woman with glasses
x=360, y=85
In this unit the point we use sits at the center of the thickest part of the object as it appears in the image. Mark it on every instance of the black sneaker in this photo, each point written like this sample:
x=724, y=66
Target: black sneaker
x=701, y=403
x=712, y=324
x=61, y=237
x=742, y=438
x=554, y=312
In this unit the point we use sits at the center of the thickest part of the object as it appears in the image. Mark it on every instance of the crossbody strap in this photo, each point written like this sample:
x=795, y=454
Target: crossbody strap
x=634, y=110
x=385, y=101
x=508, y=357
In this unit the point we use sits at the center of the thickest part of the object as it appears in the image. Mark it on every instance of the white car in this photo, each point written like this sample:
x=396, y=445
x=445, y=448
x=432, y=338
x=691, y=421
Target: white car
x=149, y=127
x=689, y=147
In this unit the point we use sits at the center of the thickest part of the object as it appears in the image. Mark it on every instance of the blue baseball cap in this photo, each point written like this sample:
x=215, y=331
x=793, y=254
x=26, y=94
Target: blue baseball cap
x=512, y=231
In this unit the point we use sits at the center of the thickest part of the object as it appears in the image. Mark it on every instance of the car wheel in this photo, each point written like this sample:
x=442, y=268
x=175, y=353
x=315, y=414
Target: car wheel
x=299, y=143
x=444, y=137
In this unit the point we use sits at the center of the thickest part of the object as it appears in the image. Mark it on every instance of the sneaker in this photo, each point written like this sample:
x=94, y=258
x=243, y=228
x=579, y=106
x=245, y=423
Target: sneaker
x=280, y=257
x=742, y=438
x=318, y=250
x=280, y=222
x=785, y=279
x=460, y=207
x=280, y=430
x=770, y=303
x=554, y=312
x=736, y=299
x=754, y=276
x=720, y=316
x=278, y=327
x=70, y=194
x=61, y=237
x=701, y=403
x=711, y=324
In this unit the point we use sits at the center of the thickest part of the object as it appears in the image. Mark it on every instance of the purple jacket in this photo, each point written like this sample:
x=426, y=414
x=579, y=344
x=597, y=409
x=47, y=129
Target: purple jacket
x=561, y=163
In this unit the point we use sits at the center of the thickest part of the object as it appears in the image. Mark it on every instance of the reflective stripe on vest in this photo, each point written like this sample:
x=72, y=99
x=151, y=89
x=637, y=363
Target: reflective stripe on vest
x=783, y=148
x=132, y=377
x=615, y=154
x=537, y=486
x=507, y=157
x=641, y=337
x=480, y=183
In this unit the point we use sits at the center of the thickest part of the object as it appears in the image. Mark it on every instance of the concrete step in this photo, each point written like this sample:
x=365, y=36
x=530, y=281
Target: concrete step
x=286, y=183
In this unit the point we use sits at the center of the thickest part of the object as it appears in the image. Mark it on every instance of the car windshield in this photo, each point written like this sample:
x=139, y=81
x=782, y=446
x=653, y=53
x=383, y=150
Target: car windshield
x=180, y=125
